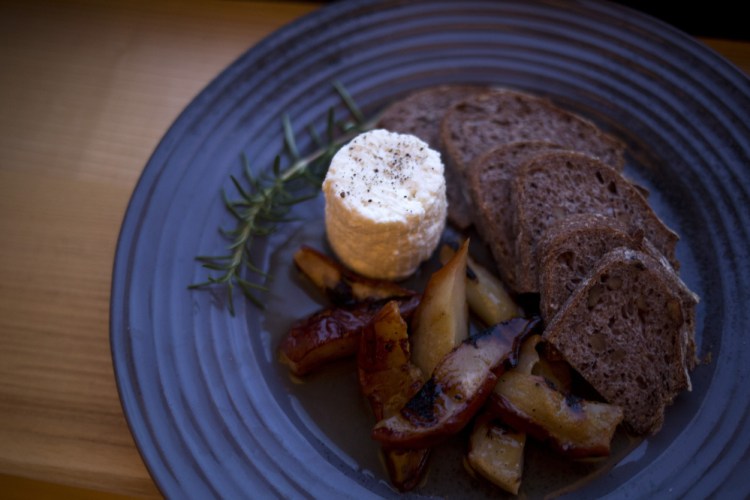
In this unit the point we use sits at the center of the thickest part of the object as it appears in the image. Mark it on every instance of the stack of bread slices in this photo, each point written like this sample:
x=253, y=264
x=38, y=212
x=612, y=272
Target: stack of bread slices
x=544, y=188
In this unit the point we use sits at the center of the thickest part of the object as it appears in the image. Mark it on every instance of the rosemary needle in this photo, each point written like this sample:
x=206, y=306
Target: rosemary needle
x=265, y=200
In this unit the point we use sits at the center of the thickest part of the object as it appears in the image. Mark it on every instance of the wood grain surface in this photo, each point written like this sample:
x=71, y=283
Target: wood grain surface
x=87, y=90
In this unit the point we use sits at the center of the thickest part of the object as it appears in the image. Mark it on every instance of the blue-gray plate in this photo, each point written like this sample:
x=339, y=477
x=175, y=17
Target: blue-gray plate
x=212, y=411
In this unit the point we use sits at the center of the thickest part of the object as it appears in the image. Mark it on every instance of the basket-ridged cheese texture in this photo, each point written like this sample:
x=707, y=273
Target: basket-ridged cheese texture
x=385, y=203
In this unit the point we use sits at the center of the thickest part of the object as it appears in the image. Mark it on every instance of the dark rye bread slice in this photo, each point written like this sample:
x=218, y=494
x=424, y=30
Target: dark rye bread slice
x=489, y=180
x=556, y=185
x=500, y=116
x=623, y=331
x=570, y=251
x=420, y=114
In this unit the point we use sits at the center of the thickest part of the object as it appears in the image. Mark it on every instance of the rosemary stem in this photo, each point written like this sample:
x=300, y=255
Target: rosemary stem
x=262, y=205
x=302, y=163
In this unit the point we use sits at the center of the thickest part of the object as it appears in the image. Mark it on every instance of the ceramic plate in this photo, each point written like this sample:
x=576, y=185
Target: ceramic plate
x=215, y=415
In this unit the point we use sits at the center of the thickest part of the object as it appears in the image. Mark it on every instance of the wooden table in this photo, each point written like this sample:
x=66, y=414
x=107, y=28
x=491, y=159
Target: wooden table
x=87, y=90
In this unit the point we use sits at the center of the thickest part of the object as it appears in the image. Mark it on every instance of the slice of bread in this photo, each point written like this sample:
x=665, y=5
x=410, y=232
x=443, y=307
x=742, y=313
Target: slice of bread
x=420, y=114
x=568, y=253
x=623, y=331
x=489, y=180
x=556, y=185
x=495, y=117
x=499, y=116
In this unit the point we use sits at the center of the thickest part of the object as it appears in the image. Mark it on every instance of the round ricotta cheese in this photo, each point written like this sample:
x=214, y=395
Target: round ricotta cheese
x=385, y=204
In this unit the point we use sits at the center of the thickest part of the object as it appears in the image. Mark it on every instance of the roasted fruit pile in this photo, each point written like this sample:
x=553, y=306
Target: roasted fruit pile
x=427, y=379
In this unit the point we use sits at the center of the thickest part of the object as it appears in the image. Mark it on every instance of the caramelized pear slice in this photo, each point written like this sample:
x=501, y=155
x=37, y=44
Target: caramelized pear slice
x=528, y=357
x=555, y=371
x=341, y=285
x=458, y=388
x=406, y=467
x=441, y=321
x=574, y=427
x=330, y=334
x=388, y=380
x=386, y=376
x=496, y=453
x=487, y=296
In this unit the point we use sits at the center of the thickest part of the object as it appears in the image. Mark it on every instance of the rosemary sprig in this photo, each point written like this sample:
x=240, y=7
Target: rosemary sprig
x=265, y=200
